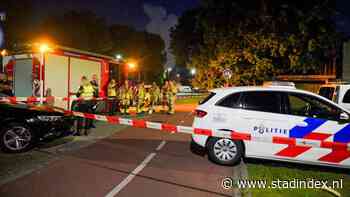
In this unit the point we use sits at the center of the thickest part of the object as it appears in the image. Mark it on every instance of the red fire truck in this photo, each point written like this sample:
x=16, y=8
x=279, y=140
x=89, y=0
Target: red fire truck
x=60, y=69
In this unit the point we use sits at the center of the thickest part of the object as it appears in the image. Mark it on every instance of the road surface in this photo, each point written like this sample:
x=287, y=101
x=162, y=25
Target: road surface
x=132, y=162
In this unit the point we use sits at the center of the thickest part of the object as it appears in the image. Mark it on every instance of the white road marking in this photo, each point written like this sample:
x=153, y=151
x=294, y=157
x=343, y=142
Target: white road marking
x=136, y=171
x=161, y=145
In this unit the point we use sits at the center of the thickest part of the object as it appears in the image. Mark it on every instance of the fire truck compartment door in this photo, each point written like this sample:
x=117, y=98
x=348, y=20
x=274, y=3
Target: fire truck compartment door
x=81, y=67
x=23, y=77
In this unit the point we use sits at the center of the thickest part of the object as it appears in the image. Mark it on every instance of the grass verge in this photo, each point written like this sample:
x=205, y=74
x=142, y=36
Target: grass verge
x=295, y=173
x=190, y=100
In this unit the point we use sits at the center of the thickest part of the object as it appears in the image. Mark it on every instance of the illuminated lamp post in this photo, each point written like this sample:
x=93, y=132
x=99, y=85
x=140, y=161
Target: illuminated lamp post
x=44, y=48
x=193, y=72
x=132, y=66
x=3, y=54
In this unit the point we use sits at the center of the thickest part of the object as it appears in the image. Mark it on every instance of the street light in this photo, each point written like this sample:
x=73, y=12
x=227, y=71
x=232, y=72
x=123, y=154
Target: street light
x=131, y=65
x=118, y=56
x=166, y=73
x=193, y=71
x=3, y=52
x=43, y=48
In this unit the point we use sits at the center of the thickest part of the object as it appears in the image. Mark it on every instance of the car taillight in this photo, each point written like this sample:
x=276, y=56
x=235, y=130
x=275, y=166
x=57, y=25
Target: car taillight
x=200, y=113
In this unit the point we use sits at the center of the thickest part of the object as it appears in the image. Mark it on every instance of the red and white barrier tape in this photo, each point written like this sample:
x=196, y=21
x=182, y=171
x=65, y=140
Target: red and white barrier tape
x=213, y=133
x=199, y=131
x=33, y=99
x=14, y=99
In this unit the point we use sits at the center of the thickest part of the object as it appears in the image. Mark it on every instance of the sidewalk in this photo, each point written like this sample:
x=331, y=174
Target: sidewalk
x=14, y=166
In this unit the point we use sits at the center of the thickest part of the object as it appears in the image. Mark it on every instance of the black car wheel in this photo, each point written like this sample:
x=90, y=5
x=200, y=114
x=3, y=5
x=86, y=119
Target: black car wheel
x=225, y=151
x=15, y=138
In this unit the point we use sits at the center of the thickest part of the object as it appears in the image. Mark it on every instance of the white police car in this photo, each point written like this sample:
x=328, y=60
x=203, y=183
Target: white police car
x=273, y=111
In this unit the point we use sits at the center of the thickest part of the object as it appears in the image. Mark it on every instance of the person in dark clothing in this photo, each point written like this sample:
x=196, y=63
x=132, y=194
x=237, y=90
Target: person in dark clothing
x=112, y=96
x=5, y=85
x=85, y=93
x=94, y=83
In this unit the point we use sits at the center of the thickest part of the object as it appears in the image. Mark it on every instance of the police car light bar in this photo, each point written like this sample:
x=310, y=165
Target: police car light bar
x=279, y=84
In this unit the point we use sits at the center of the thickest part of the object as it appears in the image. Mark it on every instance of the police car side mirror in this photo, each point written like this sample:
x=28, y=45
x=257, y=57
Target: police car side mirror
x=343, y=117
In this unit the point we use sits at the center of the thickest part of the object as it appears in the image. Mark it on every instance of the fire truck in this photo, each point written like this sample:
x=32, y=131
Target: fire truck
x=58, y=69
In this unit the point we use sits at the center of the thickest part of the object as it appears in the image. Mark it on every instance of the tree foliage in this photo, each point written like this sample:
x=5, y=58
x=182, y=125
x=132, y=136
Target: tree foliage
x=257, y=40
x=78, y=29
x=146, y=48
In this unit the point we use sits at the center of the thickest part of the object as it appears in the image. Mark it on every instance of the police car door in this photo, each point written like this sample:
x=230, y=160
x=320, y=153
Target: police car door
x=264, y=114
x=321, y=123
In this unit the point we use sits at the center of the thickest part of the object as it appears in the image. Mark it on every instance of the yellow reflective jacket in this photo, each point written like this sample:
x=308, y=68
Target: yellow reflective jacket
x=112, y=92
x=86, y=91
x=125, y=93
x=141, y=93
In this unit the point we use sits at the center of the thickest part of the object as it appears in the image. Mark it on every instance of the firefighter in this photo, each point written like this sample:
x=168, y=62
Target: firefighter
x=85, y=92
x=133, y=88
x=148, y=100
x=171, y=97
x=94, y=83
x=125, y=94
x=140, y=98
x=164, y=95
x=112, y=95
x=50, y=100
x=155, y=96
x=86, y=89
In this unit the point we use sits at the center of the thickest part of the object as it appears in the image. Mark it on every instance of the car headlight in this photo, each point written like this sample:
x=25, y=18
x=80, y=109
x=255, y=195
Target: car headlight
x=49, y=118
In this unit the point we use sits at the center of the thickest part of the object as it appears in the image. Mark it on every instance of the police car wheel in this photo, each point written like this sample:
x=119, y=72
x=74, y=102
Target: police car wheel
x=225, y=151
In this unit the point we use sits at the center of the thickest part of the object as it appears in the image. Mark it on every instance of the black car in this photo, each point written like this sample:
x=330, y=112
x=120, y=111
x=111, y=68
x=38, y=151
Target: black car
x=23, y=125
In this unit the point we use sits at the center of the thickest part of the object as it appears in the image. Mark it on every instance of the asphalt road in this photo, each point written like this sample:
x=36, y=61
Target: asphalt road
x=132, y=162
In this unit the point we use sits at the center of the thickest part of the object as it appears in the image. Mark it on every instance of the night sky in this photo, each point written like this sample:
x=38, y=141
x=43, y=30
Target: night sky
x=343, y=16
x=155, y=16
x=128, y=12
x=131, y=12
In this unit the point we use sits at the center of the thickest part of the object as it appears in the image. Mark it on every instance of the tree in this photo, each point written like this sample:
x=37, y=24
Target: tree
x=83, y=29
x=186, y=37
x=145, y=48
x=257, y=41
x=78, y=29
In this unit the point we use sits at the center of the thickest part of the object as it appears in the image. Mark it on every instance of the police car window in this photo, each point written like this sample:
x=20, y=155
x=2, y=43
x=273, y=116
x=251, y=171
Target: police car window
x=327, y=92
x=206, y=99
x=346, y=98
x=229, y=101
x=262, y=101
x=305, y=105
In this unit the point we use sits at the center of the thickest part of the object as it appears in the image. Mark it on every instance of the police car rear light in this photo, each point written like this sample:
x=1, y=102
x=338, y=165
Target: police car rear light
x=200, y=113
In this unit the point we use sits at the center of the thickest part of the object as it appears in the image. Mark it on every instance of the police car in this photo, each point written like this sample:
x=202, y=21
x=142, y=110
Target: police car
x=276, y=110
